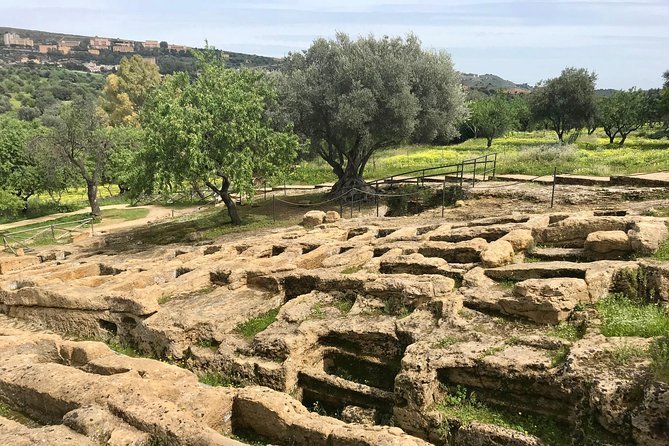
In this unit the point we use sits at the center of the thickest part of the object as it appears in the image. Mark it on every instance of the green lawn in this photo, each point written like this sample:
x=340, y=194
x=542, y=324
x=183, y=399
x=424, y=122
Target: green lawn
x=534, y=153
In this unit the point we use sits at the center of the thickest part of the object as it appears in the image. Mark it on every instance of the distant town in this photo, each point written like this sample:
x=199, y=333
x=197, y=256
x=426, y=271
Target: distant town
x=39, y=52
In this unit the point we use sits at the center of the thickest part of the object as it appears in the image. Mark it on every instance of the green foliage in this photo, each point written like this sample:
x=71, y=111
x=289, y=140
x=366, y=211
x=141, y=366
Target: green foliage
x=463, y=406
x=255, y=325
x=124, y=349
x=447, y=341
x=216, y=379
x=491, y=117
x=78, y=138
x=14, y=415
x=566, y=102
x=125, y=92
x=221, y=125
x=559, y=356
x=351, y=269
x=317, y=311
x=623, y=317
x=568, y=331
x=623, y=112
x=625, y=353
x=351, y=98
x=659, y=353
x=662, y=252
x=344, y=304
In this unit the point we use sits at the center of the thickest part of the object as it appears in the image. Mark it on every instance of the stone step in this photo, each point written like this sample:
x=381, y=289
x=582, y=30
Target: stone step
x=544, y=270
x=558, y=254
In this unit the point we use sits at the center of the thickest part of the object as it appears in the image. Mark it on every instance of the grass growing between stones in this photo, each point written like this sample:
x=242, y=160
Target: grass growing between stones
x=625, y=354
x=663, y=251
x=623, y=317
x=215, y=379
x=570, y=332
x=11, y=414
x=559, y=356
x=255, y=325
x=124, y=349
x=659, y=353
x=463, y=406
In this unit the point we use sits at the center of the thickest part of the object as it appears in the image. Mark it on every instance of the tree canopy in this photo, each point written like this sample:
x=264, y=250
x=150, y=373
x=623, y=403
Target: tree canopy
x=350, y=98
x=492, y=117
x=623, y=112
x=220, y=125
x=566, y=102
x=124, y=93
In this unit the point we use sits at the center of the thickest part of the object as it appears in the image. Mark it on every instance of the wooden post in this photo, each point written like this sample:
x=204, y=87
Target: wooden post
x=553, y=191
x=376, y=198
x=53, y=233
x=274, y=207
x=443, y=196
x=351, y=203
x=474, y=174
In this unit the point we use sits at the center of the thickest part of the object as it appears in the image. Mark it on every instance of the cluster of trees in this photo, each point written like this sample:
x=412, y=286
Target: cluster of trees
x=224, y=128
x=36, y=92
x=569, y=104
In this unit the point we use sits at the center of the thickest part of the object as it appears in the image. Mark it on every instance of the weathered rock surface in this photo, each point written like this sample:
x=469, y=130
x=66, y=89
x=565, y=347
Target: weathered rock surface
x=497, y=253
x=369, y=319
x=546, y=301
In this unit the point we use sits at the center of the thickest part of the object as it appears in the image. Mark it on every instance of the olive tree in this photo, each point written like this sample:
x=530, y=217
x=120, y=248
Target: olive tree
x=491, y=117
x=566, y=102
x=623, y=112
x=78, y=138
x=218, y=127
x=350, y=98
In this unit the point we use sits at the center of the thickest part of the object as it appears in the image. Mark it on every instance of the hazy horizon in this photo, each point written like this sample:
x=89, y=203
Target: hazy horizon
x=626, y=42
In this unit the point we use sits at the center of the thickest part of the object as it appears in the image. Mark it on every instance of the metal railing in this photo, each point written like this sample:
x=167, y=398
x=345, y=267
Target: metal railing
x=484, y=165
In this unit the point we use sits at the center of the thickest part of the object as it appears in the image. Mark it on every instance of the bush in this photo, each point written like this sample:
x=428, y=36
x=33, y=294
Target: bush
x=28, y=113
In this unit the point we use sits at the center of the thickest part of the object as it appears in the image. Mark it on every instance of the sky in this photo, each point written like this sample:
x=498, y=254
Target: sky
x=625, y=42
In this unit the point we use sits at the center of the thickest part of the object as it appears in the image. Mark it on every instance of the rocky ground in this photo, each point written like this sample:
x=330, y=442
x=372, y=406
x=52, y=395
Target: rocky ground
x=365, y=331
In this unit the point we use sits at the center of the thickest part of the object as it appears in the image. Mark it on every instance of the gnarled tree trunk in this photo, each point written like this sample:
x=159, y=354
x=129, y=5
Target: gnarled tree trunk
x=92, y=193
x=224, y=193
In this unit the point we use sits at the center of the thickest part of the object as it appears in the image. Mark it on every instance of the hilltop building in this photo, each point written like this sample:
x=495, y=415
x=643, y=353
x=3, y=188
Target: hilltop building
x=44, y=49
x=100, y=43
x=123, y=47
x=15, y=39
x=151, y=44
x=178, y=47
x=69, y=43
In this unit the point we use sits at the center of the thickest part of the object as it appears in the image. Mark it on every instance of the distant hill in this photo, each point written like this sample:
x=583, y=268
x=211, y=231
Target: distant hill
x=492, y=82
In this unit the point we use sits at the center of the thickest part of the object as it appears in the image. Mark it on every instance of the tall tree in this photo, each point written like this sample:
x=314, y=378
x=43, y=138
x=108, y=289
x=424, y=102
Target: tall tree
x=124, y=93
x=491, y=117
x=18, y=175
x=664, y=99
x=623, y=112
x=351, y=98
x=566, y=102
x=78, y=137
x=220, y=125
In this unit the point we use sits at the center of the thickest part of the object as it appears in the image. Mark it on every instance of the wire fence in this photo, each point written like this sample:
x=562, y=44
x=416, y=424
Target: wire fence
x=24, y=240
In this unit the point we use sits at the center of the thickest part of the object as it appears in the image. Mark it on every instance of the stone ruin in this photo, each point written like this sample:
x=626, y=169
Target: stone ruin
x=377, y=321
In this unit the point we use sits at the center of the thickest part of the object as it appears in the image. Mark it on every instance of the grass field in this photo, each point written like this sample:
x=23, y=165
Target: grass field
x=534, y=153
